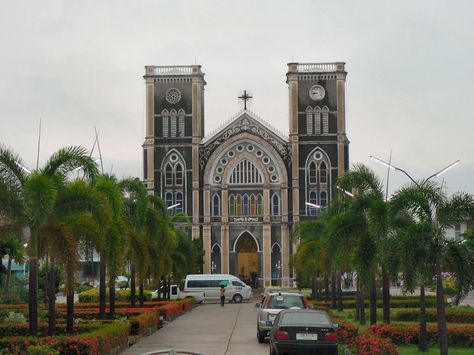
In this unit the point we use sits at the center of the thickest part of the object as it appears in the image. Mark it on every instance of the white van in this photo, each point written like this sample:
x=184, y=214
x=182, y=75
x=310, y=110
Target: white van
x=236, y=290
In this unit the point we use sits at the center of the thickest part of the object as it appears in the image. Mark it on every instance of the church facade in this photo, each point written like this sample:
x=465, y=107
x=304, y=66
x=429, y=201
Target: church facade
x=246, y=186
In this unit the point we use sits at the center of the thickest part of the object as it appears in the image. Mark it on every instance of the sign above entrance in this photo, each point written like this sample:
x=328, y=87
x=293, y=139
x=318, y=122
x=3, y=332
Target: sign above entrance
x=245, y=219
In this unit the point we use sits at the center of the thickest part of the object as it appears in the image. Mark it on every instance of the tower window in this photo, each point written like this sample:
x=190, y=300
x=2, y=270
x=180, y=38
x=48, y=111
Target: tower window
x=181, y=123
x=324, y=198
x=309, y=120
x=312, y=173
x=323, y=177
x=178, y=177
x=173, y=123
x=216, y=211
x=317, y=120
x=165, y=118
x=275, y=205
x=246, y=205
x=325, y=120
x=168, y=175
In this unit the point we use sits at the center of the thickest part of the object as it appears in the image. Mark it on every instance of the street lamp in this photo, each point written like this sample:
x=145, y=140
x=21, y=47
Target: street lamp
x=173, y=206
x=345, y=191
x=393, y=167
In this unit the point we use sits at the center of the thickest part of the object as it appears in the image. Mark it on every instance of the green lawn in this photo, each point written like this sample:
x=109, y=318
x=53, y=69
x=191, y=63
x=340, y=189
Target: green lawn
x=412, y=349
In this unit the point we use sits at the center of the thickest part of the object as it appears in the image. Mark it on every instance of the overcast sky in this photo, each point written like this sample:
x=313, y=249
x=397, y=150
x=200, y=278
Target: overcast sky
x=79, y=64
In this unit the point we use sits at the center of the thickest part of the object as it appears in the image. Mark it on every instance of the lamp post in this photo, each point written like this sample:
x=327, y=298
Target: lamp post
x=393, y=167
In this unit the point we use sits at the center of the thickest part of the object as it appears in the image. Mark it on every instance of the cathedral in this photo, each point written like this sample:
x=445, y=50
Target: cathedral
x=246, y=186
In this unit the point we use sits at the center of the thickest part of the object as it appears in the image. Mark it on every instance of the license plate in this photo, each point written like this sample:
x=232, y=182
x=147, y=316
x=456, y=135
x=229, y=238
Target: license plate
x=306, y=336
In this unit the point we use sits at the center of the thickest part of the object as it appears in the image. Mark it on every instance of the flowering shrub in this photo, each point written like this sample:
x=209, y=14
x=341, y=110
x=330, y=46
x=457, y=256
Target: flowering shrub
x=120, y=295
x=23, y=329
x=366, y=344
x=408, y=333
x=394, y=303
x=453, y=315
x=140, y=324
x=346, y=332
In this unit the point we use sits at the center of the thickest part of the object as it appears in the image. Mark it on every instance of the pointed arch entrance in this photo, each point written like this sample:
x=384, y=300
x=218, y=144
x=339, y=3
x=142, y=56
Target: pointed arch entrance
x=246, y=248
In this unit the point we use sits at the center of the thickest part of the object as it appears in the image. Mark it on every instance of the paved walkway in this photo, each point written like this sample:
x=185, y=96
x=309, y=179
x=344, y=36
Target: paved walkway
x=209, y=329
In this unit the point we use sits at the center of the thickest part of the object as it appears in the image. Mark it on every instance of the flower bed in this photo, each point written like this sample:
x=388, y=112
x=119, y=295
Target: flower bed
x=346, y=332
x=453, y=315
x=101, y=341
x=22, y=329
x=120, y=295
x=408, y=333
x=367, y=344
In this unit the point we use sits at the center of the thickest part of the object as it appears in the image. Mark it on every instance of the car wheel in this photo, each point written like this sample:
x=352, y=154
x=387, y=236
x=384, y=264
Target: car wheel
x=261, y=336
x=237, y=298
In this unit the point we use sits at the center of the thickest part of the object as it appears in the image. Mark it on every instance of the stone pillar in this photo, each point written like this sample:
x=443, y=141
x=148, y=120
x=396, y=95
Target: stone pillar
x=206, y=241
x=267, y=254
x=149, y=145
x=341, y=117
x=225, y=248
x=285, y=251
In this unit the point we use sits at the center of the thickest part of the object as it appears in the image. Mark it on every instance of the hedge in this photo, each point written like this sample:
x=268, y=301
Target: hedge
x=453, y=315
x=408, y=333
x=101, y=341
x=22, y=329
x=120, y=295
x=394, y=303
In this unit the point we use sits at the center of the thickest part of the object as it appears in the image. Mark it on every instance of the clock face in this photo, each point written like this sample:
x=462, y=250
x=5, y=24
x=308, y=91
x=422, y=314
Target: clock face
x=317, y=92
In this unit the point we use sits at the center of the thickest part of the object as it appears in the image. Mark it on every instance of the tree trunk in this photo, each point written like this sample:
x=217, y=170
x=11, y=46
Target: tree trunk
x=440, y=306
x=361, y=302
x=52, y=299
x=340, y=305
x=70, y=311
x=422, y=340
x=132, y=286
x=386, y=295
x=373, y=298
x=141, y=294
x=326, y=288
x=102, y=288
x=313, y=288
x=168, y=289
x=33, y=296
x=112, y=299
x=357, y=301
x=333, y=290
x=9, y=272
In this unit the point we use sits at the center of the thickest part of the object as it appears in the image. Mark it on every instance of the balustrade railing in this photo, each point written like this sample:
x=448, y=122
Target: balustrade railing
x=172, y=70
x=317, y=67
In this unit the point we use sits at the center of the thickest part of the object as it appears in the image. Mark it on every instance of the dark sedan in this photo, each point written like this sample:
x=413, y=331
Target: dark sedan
x=303, y=331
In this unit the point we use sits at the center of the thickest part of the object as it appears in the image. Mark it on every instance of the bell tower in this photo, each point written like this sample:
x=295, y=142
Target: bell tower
x=174, y=131
x=320, y=148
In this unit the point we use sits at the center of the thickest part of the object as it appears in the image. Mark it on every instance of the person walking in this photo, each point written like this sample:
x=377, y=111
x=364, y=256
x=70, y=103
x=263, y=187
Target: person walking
x=222, y=290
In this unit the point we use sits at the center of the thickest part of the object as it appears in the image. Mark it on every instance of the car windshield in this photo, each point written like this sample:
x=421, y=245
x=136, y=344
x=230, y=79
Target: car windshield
x=285, y=301
x=305, y=318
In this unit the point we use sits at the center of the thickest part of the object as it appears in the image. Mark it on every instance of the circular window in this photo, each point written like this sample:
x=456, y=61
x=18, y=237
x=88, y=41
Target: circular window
x=231, y=153
x=250, y=148
x=274, y=178
x=173, y=96
x=271, y=169
x=266, y=160
x=318, y=156
x=217, y=178
x=224, y=161
x=219, y=170
x=258, y=153
x=240, y=148
x=173, y=157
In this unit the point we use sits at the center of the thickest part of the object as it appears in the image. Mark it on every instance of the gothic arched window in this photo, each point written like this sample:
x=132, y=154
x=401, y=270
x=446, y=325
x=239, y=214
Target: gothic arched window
x=312, y=173
x=275, y=205
x=165, y=122
x=173, y=122
x=169, y=200
x=238, y=211
x=216, y=208
x=232, y=205
x=181, y=123
x=168, y=175
x=178, y=177
x=313, y=199
x=259, y=205
x=324, y=198
x=245, y=205
x=323, y=175
x=245, y=172
x=317, y=120
x=179, y=202
x=253, y=205
x=325, y=120
x=309, y=120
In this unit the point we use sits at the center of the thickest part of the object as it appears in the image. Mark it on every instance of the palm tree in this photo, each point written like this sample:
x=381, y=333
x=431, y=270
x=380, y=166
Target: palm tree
x=33, y=198
x=135, y=205
x=113, y=252
x=428, y=204
x=370, y=205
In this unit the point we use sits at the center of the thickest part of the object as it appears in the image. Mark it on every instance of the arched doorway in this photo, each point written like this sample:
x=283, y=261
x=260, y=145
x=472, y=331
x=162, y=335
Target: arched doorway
x=247, y=258
x=216, y=260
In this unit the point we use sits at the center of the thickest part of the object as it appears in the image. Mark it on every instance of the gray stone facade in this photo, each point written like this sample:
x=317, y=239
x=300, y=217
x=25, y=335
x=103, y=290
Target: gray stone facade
x=246, y=185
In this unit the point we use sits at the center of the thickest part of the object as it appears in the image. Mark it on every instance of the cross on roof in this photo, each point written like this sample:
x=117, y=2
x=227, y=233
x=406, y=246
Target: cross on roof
x=245, y=97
